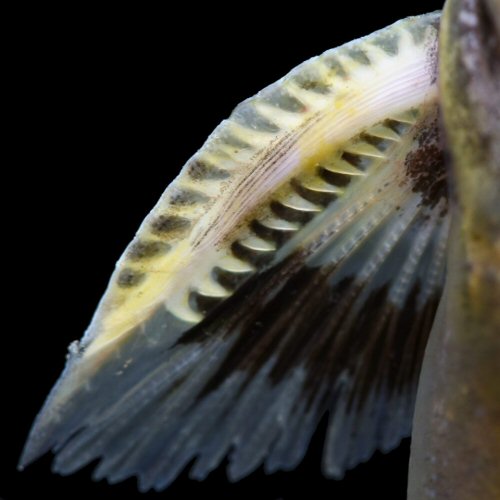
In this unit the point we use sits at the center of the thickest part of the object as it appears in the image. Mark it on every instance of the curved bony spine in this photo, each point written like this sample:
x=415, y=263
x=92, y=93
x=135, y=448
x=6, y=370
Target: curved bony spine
x=289, y=128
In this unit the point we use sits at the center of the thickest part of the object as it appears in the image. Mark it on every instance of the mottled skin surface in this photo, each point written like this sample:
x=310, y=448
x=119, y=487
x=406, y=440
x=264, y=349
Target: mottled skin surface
x=456, y=443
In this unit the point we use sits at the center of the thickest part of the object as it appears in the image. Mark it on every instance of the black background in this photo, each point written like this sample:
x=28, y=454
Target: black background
x=107, y=107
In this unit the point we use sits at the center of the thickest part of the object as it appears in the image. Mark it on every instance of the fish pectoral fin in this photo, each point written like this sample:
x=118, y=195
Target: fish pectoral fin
x=284, y=275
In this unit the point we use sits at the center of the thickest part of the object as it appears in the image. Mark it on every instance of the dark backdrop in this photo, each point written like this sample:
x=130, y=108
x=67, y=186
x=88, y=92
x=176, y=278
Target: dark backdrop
x=109, y=105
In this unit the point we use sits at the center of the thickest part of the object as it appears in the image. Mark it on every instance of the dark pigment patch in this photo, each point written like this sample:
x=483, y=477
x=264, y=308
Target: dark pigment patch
x=130, y=278
x=201, y=171
x=425, y=167
x=309, y=81
x=281, y=98
x=169, y=224
x=388, y=42
x=417, y=29
x=246, y=115
x=334, y=64
x=141, y=250
x=233, y=141
x=187, y=197
x=358, y=55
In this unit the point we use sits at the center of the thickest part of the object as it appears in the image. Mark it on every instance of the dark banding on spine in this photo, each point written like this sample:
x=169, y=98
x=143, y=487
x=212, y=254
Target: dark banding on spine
x=202, y=171
x=356, y=54
x=282, y=99
x=247, y=116
x=142, y=250
x=309, y=81
x=418, y=28
x=388, y=42
x=187, y=197
x=231, y=140
x=130, y=277
x=165, y=224
x=334, y=65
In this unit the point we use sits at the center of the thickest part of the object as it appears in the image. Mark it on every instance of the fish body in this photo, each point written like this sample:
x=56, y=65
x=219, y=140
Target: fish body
x=456, y=450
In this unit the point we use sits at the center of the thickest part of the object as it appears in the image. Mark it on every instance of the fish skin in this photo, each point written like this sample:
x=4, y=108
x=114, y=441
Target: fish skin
x=456, y=447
